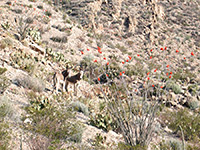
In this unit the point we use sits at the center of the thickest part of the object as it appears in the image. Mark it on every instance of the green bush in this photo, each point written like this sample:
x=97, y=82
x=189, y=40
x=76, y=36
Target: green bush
x=128, y=147
x=171, y=144
x=4, y=83
x=7, y=42
x=53, y=123
x=2, y=70
x=102, y=121
x=23, y=61
x=193, y=89
x=80, y=107
x=193, y=104
x=4, y=132
x=189, y=123
x=59, y=39
x=174, y=87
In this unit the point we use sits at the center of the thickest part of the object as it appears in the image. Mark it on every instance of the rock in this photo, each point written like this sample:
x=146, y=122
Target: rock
x=188, y=80
x=27, y=120
x=168, y=130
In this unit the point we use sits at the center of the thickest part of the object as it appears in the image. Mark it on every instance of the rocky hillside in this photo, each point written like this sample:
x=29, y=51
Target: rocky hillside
x=141, y=83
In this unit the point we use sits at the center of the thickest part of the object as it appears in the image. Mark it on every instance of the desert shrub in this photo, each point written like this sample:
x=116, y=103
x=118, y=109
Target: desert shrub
x=189, y=123
x=4, y=127
x=172, y=144
x=2, y=70
x=48, y=13
x=99, y=141
x=34, y=34
x=17, y=11
x=33, y=0
x=38, y=142
x=40, y=7
x=80, y=107
x=53, y=123
x=29, y=82
x=46, y=20
x=59, y=39
x=183, y=74
x=137, y=70
x=193, y=89
x=193, y=104
x=7, y=42
x=5, y=25
x=4, y=83
x=121, y=48
x=102, y=121
x=23, y=61
x=22, y=26
x=6, y=108
x=129, y=147
x=174, y=87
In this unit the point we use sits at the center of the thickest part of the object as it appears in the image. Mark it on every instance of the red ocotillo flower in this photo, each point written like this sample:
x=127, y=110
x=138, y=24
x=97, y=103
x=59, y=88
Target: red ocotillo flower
x=98, y=79
x=177, y=51
x=148, y=73
x=138, y=55
x=95, y=60
x=165, y=48
x=107, y=63
x=167, y=73
x=161, y=87
x=150, y=57
x=127, y=60
x=107, y=75
x=184, y=57
x=130, y=57
x=192, y=53
x=99, y=49
x=104, y=58
x=88, y=49
x=151, y=50
x=153, y=85
x=122, y=62
x=161, y=49
x=148, y=78
x=170, y=72
x=167, y=66
x=82, y=52
x=120, y=74
x=123, y=72
x=155, y=70
x=170, y=76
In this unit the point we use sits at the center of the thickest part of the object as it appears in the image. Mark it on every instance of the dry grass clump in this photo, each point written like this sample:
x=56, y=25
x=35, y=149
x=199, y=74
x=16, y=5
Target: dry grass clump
x=29, y=82
x=4, y=83
x=7, y=42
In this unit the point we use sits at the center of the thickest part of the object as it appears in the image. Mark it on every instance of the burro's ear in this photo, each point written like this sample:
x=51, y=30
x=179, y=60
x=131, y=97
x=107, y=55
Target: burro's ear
x=67, y=67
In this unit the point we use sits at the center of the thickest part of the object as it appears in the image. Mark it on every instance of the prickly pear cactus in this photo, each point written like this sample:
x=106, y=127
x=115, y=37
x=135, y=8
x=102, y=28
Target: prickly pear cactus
x=35, y=35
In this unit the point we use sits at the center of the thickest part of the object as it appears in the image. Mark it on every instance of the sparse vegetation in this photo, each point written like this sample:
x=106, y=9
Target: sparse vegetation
x=4, y=126
x=137, y=59
x=80, y=107
x=7, y=42
x=189, y=122
x=174, y=87
x=4, y=83
x=29, y=82
x=53, y=123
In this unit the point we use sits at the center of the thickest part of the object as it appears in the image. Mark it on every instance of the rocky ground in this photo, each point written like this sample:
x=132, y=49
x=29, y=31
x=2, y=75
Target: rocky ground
x=148, y=41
